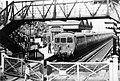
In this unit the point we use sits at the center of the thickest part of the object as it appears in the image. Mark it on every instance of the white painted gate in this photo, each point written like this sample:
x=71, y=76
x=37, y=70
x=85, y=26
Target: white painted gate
x=16, y=67
x=63, y=71
x=83, y=71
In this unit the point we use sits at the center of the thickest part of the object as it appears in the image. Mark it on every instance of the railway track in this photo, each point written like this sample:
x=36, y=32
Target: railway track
x=99, y=54
x=89, y=57
x=92, y=56
x=91, y=53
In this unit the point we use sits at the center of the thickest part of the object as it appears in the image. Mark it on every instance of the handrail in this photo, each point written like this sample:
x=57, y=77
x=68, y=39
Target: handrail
x=7, y=7
x=20, y=10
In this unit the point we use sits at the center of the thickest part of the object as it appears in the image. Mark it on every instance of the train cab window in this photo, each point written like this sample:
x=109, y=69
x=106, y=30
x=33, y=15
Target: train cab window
x=69, y=40
x=63, y=40
x=57, y=40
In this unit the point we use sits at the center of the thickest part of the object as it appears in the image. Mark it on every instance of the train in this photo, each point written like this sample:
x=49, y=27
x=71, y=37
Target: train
x=67, y=44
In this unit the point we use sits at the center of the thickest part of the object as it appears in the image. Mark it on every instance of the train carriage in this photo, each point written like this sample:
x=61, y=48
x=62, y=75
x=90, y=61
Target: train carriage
x=64, y=44
x=67, y=44
x=80, y=40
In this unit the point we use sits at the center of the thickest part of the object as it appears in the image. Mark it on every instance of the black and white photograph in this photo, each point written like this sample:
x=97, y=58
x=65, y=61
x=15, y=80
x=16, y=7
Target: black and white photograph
x=59, y=40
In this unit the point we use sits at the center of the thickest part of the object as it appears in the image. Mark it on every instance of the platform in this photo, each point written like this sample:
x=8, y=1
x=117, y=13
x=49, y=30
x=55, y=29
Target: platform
x=45, y=52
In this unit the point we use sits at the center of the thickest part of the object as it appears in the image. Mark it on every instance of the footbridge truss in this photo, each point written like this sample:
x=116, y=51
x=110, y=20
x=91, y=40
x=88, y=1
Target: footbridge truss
x=46, y=10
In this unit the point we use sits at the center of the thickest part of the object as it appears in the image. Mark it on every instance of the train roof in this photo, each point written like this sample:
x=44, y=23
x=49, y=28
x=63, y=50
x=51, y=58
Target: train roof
x=82, y=34
x=64, y=34
x=79, y=34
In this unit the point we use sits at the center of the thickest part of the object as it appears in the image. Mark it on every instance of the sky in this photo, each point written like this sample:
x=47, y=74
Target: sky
x=98, y=24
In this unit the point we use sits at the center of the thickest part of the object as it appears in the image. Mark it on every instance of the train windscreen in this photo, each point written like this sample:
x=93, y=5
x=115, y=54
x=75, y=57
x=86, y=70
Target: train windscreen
x=69, y=40
x=57, y=40
x=63, y=40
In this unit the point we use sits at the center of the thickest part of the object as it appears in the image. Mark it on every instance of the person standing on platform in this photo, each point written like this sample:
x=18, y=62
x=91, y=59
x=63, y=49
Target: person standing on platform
x=27, y=73
x=26, y=58
x=49, y=48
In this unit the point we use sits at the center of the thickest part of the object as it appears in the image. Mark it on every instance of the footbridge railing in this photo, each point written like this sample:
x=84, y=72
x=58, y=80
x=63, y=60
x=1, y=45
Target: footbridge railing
x=61, y=10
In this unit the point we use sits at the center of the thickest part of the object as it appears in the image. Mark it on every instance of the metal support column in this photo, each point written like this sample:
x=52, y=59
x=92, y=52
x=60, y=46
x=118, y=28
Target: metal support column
x=114, y=45
x=118, y=41
x=2, y=62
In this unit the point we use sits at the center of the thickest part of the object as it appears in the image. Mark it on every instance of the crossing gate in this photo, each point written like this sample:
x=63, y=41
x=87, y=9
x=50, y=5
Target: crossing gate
x=80, y=71
x=16, y=67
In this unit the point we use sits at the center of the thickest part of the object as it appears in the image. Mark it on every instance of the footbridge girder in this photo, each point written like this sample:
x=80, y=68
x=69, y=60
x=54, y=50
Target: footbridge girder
x=47, y=10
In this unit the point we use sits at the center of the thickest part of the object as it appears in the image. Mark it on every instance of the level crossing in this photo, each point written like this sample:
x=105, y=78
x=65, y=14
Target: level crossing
x=13, y=16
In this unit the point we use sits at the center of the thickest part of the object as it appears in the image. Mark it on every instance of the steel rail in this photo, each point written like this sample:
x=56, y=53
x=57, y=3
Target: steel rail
x=96, y=52
x=89, y=54
x=93, y=54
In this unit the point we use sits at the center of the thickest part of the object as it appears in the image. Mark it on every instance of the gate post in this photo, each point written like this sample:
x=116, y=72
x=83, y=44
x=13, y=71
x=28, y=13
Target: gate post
x=2, y=61
x=21, y=60
x=115, y=68
x=78, y=71
x=111, y=69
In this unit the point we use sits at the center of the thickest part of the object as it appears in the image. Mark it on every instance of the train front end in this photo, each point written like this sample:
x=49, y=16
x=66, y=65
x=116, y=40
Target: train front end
x=64, y=45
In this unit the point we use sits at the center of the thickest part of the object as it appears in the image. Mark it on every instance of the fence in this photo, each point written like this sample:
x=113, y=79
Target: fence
x=16, y=67
x=63, y=71
x=83, y=71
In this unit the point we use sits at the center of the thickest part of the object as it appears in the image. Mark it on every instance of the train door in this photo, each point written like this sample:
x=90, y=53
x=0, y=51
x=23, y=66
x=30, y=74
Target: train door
x=85, y=38
x=75, y=40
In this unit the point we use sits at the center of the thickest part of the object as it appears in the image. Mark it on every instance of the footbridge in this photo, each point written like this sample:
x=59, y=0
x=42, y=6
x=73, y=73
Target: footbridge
x=47, y=10
x=17, y=13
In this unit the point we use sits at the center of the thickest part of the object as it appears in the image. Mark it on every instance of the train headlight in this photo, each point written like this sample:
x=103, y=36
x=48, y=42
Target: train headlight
x=55, y=52
x=71, y=51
